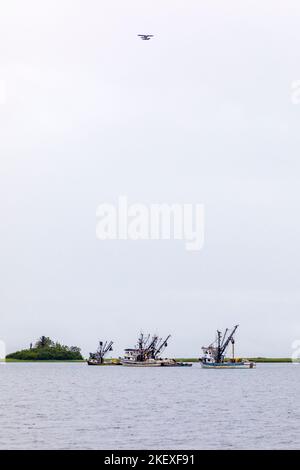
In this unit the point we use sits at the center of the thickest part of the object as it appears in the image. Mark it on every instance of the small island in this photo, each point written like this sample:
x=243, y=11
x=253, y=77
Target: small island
x=47, y=350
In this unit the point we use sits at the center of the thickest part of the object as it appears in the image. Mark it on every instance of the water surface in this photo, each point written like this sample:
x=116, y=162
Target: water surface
x=74, y=406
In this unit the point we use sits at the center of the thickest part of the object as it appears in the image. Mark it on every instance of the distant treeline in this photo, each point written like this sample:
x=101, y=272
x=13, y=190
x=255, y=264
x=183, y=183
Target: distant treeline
x=47, y=350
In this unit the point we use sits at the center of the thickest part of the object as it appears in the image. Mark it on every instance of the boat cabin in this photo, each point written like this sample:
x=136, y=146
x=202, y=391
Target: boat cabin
x=131, y=354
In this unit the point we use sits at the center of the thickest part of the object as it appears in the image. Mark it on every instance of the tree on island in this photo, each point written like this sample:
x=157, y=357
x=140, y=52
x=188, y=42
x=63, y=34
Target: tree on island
x=47, y=350
x=44, y=342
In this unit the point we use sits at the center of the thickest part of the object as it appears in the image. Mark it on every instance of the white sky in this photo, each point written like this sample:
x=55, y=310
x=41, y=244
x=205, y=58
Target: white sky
x=202, y=113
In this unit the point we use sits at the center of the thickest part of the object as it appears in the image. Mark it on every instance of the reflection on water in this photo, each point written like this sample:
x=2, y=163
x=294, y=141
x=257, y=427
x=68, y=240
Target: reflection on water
x=74, y=406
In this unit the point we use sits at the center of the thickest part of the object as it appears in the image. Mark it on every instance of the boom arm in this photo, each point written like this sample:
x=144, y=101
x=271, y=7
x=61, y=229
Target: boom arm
x=162, y=346
x=225, y=342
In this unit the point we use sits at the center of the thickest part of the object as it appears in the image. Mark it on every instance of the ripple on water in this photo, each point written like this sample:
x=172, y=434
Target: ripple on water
x=72, y=406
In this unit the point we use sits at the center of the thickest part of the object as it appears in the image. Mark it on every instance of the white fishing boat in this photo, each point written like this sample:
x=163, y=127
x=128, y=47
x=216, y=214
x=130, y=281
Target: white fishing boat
x=147, y=353
x=98, y=358
x=213, y=356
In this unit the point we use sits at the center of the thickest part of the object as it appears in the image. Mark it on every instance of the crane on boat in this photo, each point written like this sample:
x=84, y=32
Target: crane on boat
x=103, y=348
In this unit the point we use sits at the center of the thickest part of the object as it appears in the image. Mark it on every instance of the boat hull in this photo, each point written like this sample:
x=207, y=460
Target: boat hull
x=92, y=363
x=154, y=364
x=178, y=364
x=229, y=365
x=140, y=364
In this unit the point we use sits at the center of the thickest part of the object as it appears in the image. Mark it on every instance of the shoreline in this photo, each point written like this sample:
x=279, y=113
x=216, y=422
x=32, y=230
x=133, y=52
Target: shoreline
x=270, y=360
x=39, y=360
x=251, y=359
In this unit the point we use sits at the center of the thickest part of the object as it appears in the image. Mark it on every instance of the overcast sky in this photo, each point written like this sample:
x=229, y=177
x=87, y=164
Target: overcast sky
x=201, y=114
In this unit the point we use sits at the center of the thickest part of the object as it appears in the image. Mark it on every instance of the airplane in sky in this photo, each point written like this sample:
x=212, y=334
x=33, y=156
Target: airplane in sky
x=145, y=37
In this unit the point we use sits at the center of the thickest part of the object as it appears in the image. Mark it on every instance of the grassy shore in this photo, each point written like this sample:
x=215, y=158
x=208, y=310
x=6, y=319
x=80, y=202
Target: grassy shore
x=271, y=359
x=253, y=359
x=45, y=360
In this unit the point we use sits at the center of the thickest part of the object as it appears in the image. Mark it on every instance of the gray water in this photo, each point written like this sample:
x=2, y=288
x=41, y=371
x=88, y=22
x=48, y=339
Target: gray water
x=74, y=406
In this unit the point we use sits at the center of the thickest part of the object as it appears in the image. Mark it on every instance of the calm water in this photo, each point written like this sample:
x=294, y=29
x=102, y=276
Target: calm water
x=74, y=406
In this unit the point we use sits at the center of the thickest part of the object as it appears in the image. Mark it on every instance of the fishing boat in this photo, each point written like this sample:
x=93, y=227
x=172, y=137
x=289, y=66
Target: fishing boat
x=147, y=353
x=213, y=356
x=98, y=358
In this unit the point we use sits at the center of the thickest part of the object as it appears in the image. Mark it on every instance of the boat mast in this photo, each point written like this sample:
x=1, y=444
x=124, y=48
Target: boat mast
x=226, y=343
x=161, y=347
x=222, y=344
x=150, y=349
x=219, y=348
x=103, y=349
